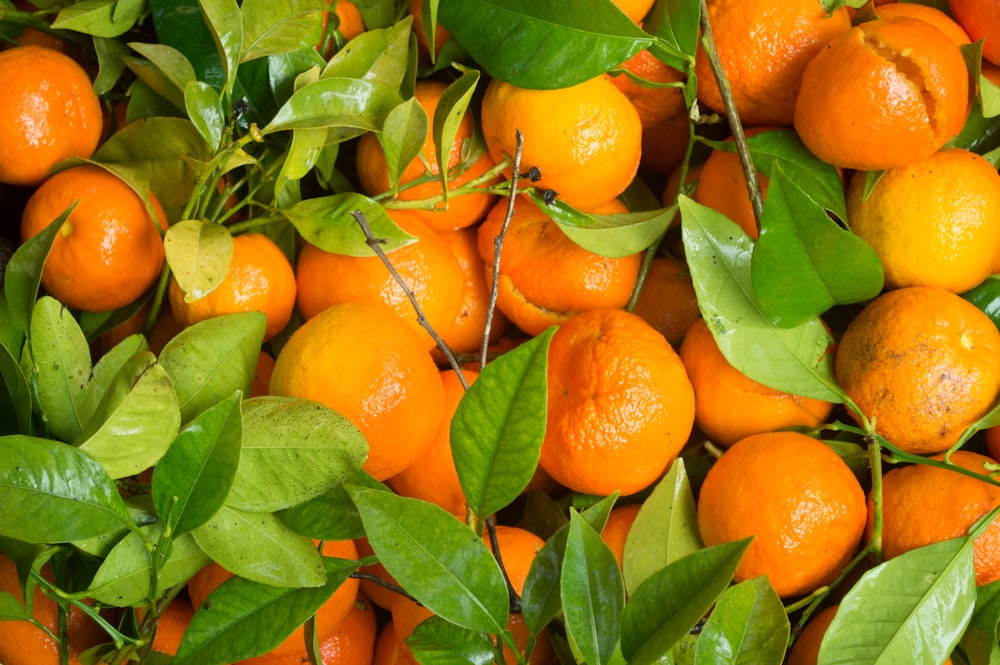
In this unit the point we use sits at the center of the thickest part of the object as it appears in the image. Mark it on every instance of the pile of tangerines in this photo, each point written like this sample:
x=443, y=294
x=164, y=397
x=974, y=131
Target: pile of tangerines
x=637, y=378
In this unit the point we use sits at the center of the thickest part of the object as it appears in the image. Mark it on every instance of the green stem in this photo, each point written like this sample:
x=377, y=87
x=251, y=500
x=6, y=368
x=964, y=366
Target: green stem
x=875, y=463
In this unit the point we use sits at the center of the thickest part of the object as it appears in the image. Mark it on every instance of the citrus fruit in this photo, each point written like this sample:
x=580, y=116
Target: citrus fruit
x=170, y=626
x=545, y=277
x=620, y=404
x=981, y=20
x=932, y=15
x=586, y=140
x=259, y=279
x=616, y=529
x=262, y=374
x=729, y=405
x=992, y=442
x=805, y=648
x=350, y=23
x=24, y=643
x=441, y=35
x=109, y=251
x=433, y=476
x=764, y=48
x=377, y=593
x=884, y=94
x=49, y=112
x=635, y=9
x=922, y=504
x=799, y=501
x=428, y=268
x=667, y=300
x=934, y=222
x=366, y=363
x=388, y=648
x=922, y=364
x=460, y=210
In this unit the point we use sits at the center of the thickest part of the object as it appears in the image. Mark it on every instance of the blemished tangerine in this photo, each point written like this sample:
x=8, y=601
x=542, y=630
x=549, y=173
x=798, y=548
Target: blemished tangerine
x=882, y=95
x=109, y=251
x=369, y=365
x=799, y=501
x=922, y=364
x=729, y=405
x=620, y=405
x=49, y=112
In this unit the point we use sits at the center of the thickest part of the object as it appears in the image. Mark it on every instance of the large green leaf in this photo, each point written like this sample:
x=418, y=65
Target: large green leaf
x=380, y=55
x=100, y=18
x=747, y=627
x=332, y=515
x=106, y=371
x=53, y=493
x=437, y=642
x=543, y=45
x=675, y=24
x=225, y=22
x=980, y=640
x=294, y=450
x=498, y=427
x=271, y=27
x=436, y=558
x=336, y=102
x=402, y=137
x=23, y=275
x=913, y=609
x=326, y=222
x=165, y=70
x=795, y=360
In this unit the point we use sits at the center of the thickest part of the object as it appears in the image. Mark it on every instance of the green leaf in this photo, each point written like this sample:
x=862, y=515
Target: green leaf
x=437, y=642
x=912, y=608
x=110, y=60
x=336, y=102
x=794, y=360
x=136, y=421
x=260, y=548
x=380, y=55
x=192, y=480
x=989, y=97
x=614, y=236
x=451, y=108
x=980, y=640
x=557, y=45
x=140, y=512
x=675, y=24
x=24, y=273
x=986, y=297
x=804, y=263
x=271, y=27
x=199, y=254
x=209, y=361
x=592, y=593
x=204, y=108
x=12, y=609
x=294, y=450
x=664, y=530
x=19, y=393
x=165, y=70
x=748, y=626
x=61, y=360
x=332, y=515
x=100, y=18
x=436, y=558
x=247, y=619
x=53, y=493
x=499, y=425
x=225, y=22
x=402, y=137
x=106, y=371
x=123, y=578
x=326, y=222
x=671, y=602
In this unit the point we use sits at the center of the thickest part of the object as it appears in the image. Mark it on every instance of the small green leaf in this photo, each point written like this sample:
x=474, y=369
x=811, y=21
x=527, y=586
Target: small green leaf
x=24, y=273
x=675, y=24
x=271, y=27
x=165, y=70
x=326, y=222
x=99, y=18
x=380, y=55
x=18, y=391
x=332, y=515
x=53, y=493
x=671, y=602
x=436, y=558
x=747, y=627
x=402, y=137
x=204, y=108
x=451, y=108
x=225, y=22
x=336, y=102
x=294, y=450
x=498, y=427
x=192, y=480
x=105, y=372
x=980, y=639
x=664, y=530
x=208, y=361
x=11, y=609
x=199, y=254
x=437, y=642
x=912, y=608
x=794, y=360
x=592, y=593
x=260, y=548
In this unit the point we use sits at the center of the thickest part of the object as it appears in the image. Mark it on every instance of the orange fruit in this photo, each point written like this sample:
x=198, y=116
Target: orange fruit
x=259, y=279
x=170, y=626
x=992, y=440
x=262, y=374
x=933, y=222
x=922, y=504
x=635, y=9
x=433, y=477
x=50, y=112
x=764, y=48
x=729, y=405
x=429, y=269
x=545, y=277
x=981, y=20
x=617, y=527
x=109, y=251
x=461, y=210
x=922, y=364
x=662, y=111
x=667, y=300
x=388, y=648
x=864, y=106
x=350, y=643
x=585, y=139
x=380, y=595
x=23, y=643
x=932, y=15
x=799, y=501
x=620, y=404
x=465, y=335
x=366, y=363
x=441, y=35
x=350, y=22
x=805, y=648
x=328, y=617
